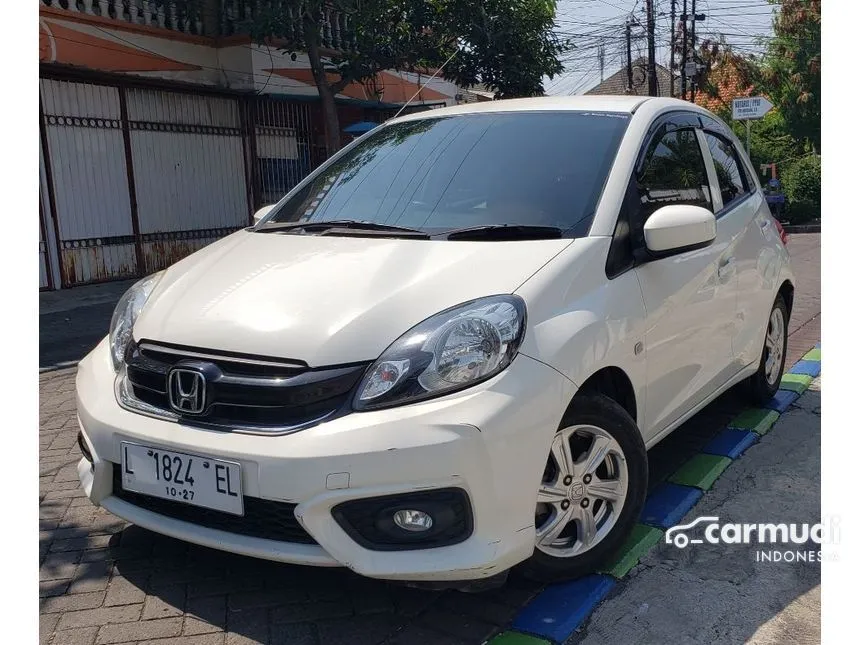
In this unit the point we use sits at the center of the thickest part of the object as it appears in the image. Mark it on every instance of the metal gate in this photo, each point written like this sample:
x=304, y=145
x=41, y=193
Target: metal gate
x=281, y=147
x=44, y=269
x=84, y=148
x=189, y=172
x=141, y=177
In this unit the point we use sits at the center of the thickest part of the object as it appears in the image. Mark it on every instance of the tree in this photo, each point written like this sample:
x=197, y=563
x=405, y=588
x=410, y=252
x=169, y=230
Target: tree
x=508, y=45
x=791, y=74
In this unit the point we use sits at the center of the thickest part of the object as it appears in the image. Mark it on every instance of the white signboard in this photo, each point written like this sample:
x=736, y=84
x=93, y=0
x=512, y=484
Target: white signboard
x=751, y=107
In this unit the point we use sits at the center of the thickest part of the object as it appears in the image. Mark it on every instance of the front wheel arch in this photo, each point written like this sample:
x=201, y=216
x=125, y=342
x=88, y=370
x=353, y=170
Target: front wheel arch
x=613, y=383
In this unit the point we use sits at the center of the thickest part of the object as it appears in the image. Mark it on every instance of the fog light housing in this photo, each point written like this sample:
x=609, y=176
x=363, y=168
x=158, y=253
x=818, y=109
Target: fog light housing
x=410, y=519
x=407, y=521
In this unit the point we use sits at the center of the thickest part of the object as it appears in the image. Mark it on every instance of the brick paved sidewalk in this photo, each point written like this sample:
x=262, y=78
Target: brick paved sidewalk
x=103, y=581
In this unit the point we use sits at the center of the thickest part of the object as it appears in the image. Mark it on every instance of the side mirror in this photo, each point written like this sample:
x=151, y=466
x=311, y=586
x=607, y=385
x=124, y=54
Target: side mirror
x=678, y=228
x=260, y=214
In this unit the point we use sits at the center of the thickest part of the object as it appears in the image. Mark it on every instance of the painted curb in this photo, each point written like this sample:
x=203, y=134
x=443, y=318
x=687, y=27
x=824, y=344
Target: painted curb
x=808, y=367
x=515, y=638
x=782, y=400
x=668, y=504
x=559, y=610
x=813, y=354
x=628, y=555
x=730, y=443
x=796, y=382
x=700, y=471
x=755, y=419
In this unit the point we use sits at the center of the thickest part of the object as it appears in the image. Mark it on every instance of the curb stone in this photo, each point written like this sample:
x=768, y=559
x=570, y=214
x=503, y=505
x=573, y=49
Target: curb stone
x=559, y=610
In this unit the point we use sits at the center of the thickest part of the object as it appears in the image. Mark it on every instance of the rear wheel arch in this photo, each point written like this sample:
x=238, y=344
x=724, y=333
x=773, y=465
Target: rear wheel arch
x=786, y=290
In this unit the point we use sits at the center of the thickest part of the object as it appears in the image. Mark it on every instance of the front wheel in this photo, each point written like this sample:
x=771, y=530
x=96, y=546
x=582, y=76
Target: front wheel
x=591, y=492
x=765, y=382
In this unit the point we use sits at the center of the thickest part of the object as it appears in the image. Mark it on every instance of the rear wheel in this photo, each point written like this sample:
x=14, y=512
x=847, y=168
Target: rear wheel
x=765, y=382
x=591, y=492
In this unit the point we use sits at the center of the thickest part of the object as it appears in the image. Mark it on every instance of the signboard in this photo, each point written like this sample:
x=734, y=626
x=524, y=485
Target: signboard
x=751, y=107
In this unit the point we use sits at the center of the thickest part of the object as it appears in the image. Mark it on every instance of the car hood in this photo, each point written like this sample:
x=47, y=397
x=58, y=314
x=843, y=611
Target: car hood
x=326, y=300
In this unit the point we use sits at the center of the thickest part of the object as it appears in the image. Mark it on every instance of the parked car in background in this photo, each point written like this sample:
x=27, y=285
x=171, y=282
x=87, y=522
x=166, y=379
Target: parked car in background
x=446, y=352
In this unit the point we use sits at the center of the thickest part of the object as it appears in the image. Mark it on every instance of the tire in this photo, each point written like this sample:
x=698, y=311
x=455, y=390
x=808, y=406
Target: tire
x=593, y=425
x=762, y=385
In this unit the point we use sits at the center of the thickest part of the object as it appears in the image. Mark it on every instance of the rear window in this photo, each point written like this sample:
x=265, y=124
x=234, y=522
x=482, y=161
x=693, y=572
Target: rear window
x=442, y=173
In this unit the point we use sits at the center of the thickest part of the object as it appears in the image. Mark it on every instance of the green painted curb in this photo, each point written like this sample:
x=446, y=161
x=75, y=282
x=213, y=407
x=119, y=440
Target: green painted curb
x=515, y=638
x=812, y=355
x=755, y=419
x=795, y=382
x=700, y=471
x=628, y=555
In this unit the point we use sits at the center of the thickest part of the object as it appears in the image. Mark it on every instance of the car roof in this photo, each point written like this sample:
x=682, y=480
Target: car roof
x=590, y=103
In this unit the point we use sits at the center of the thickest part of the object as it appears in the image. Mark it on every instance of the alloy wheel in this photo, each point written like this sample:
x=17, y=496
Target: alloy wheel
x=582, y=491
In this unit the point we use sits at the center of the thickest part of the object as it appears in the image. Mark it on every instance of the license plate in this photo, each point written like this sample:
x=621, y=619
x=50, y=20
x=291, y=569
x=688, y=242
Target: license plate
x=190, y=479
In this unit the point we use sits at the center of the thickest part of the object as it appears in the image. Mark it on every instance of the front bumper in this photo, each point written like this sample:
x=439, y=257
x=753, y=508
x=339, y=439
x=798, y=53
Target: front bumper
x=491, y=441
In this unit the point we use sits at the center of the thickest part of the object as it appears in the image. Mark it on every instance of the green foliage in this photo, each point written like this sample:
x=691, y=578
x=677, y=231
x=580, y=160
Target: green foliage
x=791, y=73
x=802, y=183
x=508, y=45
x=770, y=140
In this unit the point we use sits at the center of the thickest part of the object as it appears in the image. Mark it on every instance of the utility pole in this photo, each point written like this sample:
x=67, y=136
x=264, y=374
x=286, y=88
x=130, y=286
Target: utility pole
x=601, y=57
x=652, y=69
x=693, y=49
x=672, y=52
x=629, y=60
x=684, y=51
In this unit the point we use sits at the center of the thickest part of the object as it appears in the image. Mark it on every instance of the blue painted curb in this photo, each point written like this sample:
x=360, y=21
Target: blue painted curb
x=560, y=609
x=731, y=443
x=782, y=400
x=810, y=368
x=668, y=504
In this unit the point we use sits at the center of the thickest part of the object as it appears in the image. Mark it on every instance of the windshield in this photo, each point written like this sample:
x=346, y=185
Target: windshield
x=445, y=173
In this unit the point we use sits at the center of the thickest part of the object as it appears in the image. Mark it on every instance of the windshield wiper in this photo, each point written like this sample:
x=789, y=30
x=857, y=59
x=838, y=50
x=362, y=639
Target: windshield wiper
x=344, y=225
x=504, y=232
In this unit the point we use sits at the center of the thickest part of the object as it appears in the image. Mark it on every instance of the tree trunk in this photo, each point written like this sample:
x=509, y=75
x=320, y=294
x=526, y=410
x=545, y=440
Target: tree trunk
x=326, y=92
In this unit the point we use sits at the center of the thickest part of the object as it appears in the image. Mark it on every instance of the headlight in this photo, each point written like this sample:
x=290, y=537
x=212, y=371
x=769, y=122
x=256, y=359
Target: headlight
x=124, y=316
x=452, y=350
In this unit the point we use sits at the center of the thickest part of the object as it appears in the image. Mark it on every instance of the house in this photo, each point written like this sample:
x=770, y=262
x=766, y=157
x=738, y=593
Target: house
x=164, y=127
x=617, y=82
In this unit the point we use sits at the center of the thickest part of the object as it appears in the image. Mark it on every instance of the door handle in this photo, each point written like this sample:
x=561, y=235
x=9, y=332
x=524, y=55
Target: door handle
x=726, y=267
x=764, y=224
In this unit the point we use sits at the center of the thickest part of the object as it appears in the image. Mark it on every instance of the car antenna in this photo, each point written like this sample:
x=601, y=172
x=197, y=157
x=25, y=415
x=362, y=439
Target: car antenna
x=405, y=105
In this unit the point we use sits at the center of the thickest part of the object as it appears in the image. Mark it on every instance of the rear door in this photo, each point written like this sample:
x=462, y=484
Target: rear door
x=746, y=216
x=690, y=298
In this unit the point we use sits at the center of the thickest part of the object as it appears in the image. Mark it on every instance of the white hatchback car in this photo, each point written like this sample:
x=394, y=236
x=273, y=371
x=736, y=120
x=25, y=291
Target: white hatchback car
x=446, y=352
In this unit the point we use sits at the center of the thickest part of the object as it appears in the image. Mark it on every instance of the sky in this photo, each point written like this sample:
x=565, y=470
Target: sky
x=590, y=24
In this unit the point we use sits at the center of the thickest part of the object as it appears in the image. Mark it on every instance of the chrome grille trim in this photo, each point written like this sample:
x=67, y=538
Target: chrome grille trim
x=126, y=399
x=164, y=349
x=250, y=394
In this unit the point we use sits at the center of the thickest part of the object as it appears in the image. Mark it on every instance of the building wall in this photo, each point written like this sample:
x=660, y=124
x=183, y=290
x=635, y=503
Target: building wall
x=155, y=142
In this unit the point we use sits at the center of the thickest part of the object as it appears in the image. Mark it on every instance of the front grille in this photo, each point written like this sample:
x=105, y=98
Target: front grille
x=263, y=518
x=243, y=391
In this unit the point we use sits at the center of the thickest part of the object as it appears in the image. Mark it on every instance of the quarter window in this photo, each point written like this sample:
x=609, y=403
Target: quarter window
x=674, y=173
x=730, y=174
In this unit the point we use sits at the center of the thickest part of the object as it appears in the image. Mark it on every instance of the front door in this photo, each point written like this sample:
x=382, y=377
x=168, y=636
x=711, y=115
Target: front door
x=689, y=298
